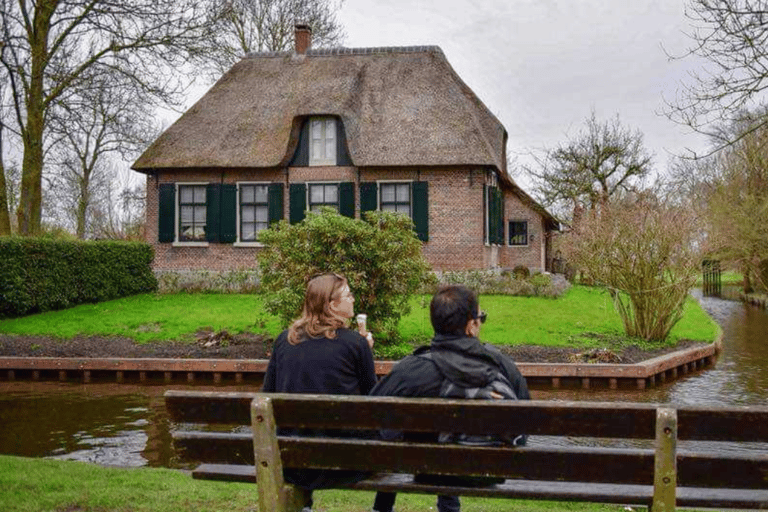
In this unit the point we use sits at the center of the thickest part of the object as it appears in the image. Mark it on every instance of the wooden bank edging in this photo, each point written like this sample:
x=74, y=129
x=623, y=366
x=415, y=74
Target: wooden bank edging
x=556, y=375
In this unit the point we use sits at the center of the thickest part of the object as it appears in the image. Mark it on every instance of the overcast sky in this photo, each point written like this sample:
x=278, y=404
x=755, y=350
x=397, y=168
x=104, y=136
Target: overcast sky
x=542, y=66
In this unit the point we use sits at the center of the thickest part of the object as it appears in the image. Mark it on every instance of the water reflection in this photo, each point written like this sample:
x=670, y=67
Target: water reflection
x=126, y=425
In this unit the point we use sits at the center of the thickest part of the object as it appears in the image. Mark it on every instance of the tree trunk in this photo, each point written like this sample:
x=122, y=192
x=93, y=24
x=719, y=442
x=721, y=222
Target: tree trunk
x=5, y=219
x=29, y=213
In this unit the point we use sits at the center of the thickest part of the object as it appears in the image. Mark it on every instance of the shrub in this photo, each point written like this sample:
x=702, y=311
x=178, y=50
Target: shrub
x=380, y=257
x=42, y=274
x=208, y=281
x=489, y=282
x=521, y=272
x=647, y=255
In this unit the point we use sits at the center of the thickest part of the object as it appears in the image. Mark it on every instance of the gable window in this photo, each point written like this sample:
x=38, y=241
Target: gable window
x=193, y=212
x=395, y=197
x=518, y=232
x=322, y=141
x=254, y=210
x=323, y=194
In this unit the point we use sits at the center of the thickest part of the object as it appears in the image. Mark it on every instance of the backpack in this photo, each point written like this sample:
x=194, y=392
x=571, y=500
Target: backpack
x=501, y=387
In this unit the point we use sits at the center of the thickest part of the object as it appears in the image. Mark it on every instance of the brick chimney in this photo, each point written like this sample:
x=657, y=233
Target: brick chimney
x=303, y=38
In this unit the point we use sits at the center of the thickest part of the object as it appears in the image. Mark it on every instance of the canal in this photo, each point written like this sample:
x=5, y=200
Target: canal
x=126, y=425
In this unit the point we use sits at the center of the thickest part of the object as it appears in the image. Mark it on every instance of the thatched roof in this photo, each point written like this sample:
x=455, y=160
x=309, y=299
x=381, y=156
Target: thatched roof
x=400, y=107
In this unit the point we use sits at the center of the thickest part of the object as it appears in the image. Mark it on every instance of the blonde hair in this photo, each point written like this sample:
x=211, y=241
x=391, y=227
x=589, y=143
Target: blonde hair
x=317, y=319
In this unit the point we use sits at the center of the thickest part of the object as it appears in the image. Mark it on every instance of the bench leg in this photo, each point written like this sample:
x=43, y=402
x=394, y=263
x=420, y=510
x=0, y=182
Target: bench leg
x=665, y=465
x=274, y=494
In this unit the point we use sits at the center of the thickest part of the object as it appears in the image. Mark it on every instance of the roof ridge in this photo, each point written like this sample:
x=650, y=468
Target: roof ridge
x=324, y=52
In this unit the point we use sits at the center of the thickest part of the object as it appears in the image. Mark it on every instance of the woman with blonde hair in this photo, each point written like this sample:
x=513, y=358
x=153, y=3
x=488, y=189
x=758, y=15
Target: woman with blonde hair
x=318, y=353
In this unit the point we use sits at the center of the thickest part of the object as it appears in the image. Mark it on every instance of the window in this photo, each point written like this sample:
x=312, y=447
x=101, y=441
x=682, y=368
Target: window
x=323, y=194
x=518, y=232
x=322, y=141
x=193, y=212
x=254, y=210
x=395, y=197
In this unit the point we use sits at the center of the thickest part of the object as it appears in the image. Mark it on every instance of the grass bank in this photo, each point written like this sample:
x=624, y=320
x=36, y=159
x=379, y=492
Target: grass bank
x=583, y=317
x=43, y=485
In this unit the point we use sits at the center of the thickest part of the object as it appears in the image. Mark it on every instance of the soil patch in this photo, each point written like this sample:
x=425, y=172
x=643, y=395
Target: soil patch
x=222, y=345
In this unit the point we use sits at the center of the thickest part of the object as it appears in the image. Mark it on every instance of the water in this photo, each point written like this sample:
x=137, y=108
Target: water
x=126, y=425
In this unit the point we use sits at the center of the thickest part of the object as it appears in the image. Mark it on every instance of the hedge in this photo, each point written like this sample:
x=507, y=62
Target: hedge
x=41, y=274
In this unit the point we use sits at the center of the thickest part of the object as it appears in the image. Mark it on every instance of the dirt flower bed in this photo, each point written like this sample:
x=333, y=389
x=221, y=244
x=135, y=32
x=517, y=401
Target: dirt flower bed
x=222, y=345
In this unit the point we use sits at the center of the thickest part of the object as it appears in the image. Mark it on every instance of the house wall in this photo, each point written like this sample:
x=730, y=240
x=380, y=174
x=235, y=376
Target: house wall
x=456, y=218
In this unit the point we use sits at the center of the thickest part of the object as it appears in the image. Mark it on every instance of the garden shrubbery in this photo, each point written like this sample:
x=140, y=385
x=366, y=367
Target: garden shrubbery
x=42, y=274
x=380, y=257
x=489, y=282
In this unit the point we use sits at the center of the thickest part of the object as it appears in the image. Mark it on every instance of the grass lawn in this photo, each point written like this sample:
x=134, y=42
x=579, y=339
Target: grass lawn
x=36, y=485
x=579, y=318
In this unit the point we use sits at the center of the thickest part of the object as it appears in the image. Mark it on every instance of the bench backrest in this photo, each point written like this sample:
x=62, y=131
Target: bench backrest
x=655, y=461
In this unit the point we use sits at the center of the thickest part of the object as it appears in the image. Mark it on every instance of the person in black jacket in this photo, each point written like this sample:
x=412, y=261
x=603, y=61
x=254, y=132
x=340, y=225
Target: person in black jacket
x=319, y=354
x=456, y=355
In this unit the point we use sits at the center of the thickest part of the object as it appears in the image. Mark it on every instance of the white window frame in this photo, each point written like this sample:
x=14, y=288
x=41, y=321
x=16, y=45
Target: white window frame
x=177, y=216
x=328, y=141
x=239, y=241
x=324, y=183
x=379, y=183
x=527, y=232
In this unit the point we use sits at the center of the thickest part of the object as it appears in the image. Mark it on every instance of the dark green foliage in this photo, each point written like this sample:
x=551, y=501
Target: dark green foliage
x=39, y=274
x=381, y=258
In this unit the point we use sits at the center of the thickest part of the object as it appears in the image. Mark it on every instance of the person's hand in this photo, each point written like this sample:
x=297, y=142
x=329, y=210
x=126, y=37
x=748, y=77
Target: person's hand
x=369, y=337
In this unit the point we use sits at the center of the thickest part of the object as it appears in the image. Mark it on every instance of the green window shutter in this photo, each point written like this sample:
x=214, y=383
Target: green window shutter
x=212, y=212
x=420, y=198
x=166, y=213
x=342, y=154
x=493, y=214
x=298, y=202
x=501, y=217
x=228, y=214
x=301, y=155
x=275, y=202
x=485, y=213
x=347, y=199
x=369, y=200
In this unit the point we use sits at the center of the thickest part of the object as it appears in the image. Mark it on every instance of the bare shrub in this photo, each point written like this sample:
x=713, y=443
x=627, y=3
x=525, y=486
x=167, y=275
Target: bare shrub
x=645, y=253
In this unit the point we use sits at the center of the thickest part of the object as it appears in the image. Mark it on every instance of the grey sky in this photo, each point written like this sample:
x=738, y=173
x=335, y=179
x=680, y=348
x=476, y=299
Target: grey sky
x=542, y=66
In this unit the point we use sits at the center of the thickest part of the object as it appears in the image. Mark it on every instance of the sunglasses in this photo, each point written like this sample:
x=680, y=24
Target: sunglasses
x=482, y=316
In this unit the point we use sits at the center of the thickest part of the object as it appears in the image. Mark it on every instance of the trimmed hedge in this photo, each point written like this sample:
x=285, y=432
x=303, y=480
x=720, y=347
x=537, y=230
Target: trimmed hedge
x=40, y=274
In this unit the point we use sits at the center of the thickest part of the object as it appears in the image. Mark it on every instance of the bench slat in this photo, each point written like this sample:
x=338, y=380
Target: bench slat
x=211, y=407
x=527, y=489
x=731, y=424
x=578, y=463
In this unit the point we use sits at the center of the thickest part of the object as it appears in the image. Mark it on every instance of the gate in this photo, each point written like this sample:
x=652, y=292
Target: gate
x=711, y=270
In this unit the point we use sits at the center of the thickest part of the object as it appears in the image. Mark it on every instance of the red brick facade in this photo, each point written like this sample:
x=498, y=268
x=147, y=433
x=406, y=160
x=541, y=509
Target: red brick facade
x=456, y=217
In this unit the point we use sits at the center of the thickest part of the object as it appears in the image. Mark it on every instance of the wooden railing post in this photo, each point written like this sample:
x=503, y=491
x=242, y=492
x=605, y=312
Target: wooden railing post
x=665, y=465
x=274, y=494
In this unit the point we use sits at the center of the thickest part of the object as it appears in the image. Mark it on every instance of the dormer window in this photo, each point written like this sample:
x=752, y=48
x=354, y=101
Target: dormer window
x=322, y=144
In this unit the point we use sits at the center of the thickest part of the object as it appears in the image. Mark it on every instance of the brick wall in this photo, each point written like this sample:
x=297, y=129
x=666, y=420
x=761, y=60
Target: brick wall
x=455, y=218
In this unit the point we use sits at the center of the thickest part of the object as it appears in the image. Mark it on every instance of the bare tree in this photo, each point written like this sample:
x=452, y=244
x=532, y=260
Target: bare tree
x=737, y=207
x=110, y=118
x=604, y=159
x=54, y=47
x=245, y=26
x=731, y=37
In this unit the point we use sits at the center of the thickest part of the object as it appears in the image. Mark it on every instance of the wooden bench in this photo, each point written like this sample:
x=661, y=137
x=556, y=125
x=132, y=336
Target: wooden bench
x=647, y=469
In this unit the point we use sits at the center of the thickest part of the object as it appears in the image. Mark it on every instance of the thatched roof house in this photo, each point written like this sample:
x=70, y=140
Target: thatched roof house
x=401, y=114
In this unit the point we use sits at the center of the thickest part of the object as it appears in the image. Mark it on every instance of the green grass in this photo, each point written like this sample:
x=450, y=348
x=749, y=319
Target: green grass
x=583, y=317
x=43, y=485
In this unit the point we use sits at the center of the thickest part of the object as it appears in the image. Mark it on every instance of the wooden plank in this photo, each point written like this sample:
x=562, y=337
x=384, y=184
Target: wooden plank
x=422, y=414
x=723, y=424
x=468, y=416
x=209, y=407
x=214, y=447
x=225, y=473
x=736, y=471
x=567, y=464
